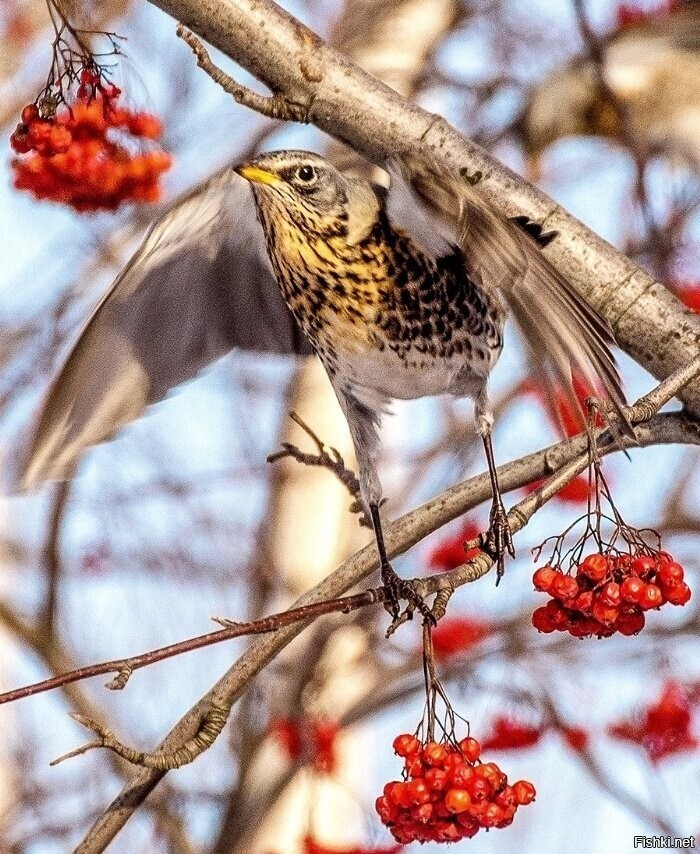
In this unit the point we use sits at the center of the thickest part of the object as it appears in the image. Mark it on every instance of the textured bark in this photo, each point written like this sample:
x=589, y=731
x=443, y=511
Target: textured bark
x=347, y=102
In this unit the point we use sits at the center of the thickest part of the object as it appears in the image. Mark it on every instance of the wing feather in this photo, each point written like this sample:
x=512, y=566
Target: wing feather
x=199, y=285
x=564, y=331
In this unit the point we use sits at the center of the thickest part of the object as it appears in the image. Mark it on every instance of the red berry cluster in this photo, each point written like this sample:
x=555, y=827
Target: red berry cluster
x=508, y=733
x=309, y=740
x=629, y=14
x=73, y=158
x=576, y=491
x=663, y=728
x=447, y=794
x=450, y=553
x=609, y=594
x=455, y=635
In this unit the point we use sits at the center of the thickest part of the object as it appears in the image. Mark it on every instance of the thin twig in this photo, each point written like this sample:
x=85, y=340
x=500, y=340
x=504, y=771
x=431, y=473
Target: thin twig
x=332, y=461
x=274, y=106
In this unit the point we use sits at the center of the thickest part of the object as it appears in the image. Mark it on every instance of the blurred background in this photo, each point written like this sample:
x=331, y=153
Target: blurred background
x=179, y=518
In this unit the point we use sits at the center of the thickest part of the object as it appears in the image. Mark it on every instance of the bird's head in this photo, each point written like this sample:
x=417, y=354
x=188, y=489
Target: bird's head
x=302, y=190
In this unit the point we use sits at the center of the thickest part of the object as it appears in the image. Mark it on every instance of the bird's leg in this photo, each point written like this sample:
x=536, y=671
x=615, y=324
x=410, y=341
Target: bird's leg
x=500, y=537
x=363, y=423
x=397, y=587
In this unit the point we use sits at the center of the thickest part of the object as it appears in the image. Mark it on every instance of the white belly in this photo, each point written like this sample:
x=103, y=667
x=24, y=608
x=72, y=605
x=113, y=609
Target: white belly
x=376, y=375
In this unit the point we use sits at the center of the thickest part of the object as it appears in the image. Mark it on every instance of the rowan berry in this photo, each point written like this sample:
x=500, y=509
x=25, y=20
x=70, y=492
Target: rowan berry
x=543, y=578
x=447, y=801
x=670, y=574
x=405, y=745
x=460, y=775
x=524, y=792
x=564, y=587
x=470, y=749
x=609, y=594
x=679, y=595
x=434, y=753
x=457, y=800
x=595, y=566
x=650, y=597
x=631, y=589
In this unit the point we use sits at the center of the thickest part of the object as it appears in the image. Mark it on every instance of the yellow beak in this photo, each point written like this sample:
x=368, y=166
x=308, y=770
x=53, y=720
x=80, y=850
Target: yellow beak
x=257, y=175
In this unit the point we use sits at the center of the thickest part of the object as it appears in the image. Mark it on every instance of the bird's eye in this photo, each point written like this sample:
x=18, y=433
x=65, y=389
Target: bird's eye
x=306, y=174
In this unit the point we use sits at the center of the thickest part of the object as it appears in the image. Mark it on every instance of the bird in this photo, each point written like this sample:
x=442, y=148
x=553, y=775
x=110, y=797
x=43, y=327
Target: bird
x=645, y=87
x=401, y=292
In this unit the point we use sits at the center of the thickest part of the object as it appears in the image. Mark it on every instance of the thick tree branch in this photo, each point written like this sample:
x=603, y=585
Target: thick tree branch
x=295, y=64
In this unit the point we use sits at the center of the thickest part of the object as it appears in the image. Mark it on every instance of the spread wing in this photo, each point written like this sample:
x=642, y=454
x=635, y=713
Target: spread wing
x=562, y=329
x=199, y=285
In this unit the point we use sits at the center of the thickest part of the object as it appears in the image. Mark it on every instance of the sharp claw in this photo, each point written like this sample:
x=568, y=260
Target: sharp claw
x=500, y=538
x=398, y=588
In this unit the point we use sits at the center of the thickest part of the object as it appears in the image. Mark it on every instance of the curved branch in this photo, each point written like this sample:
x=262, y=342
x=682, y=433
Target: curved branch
x=400, y=536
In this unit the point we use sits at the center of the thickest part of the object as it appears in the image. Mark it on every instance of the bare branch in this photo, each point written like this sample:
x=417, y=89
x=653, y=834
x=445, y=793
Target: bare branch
x=400, y=536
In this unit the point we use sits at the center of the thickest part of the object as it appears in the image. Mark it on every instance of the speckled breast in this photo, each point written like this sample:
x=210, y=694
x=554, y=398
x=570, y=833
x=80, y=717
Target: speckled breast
x=385, y=315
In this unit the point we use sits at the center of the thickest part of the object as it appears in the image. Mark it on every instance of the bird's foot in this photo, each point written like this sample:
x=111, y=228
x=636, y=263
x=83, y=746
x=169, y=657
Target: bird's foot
x=499, y=538
x=398, y=589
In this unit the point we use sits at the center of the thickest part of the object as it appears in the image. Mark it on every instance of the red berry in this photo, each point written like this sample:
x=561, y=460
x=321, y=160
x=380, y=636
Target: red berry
x=457, y=800
x=595, y=566
x=386, y=811
x=651, y=597
x=405, y=745
x=679, y=595
x=506, y=797
x=564, y=587
x=434, y=753
x=642, y=564
x=583, y=603
x=542, y=621
x=491, y=772
x=454, y=760
x=479, y=788
x=468, y=824
x=524, y=792
x=605, y=614
x=436, y=779
x=609, y=594
x=20, y=140
x=423, y=813
x=460, y=775
x=670, y=574
x=418, y=792
x=414, y=766
x=558, y=615
x=492, y=816
x=471, y=749
x=631, y=589
x=30, y=114
x=630, y=624
x=543, y=578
